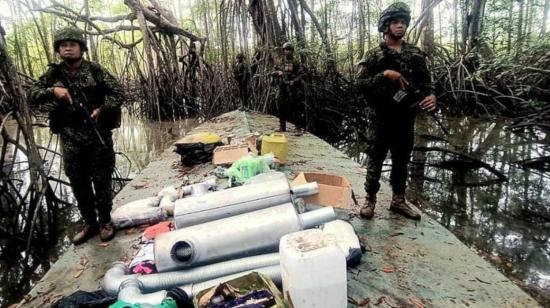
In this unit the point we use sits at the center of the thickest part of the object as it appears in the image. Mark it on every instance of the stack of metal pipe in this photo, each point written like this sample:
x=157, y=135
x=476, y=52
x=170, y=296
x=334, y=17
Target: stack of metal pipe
x=219, y=236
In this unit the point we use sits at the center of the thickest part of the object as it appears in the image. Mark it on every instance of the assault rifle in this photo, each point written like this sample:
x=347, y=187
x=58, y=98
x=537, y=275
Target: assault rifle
x=410, y=98
x=78, y=100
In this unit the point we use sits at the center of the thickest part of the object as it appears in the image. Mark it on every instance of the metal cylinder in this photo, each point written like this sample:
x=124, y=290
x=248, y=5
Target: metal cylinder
x=130, y=292
x=307, y=189
x=247, y=234
x=195, y=210
x=162, y=281
x=317, y=217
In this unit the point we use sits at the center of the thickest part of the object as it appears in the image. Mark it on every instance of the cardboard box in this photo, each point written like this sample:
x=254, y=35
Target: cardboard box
x=334, y=190
x=228, y=154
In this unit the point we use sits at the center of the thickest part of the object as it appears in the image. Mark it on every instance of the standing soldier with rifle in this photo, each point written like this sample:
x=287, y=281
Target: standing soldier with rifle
x=290, y=97
x=241, y=73
x=393, y=77
x=83, y=101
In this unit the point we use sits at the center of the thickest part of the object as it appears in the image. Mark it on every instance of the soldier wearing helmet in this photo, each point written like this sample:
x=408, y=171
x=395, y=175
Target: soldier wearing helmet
x=394, y=67
x=88, y=163
x=290, y=96
x=241, y=73
x=69, y=34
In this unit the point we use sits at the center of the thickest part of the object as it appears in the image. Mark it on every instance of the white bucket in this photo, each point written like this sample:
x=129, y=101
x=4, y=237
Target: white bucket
x=313, y=270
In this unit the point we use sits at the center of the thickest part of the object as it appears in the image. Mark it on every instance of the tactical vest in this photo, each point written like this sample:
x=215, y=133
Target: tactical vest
x=65, y=115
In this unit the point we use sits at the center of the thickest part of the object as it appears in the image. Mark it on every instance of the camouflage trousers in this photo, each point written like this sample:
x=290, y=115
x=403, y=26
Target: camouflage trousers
x=398, y=139
x=243, y=95
x=89, y=166
x=291, y=105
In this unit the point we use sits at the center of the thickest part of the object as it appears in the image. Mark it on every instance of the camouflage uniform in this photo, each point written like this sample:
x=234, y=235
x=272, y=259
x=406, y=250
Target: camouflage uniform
x=290, y=97
x=391, y=127
x=86, y=161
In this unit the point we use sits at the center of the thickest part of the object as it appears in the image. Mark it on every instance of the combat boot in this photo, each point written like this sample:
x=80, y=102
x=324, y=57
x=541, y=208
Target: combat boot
x=87, y=232
x=400, y=205
x=106, y=232
x=367, y=210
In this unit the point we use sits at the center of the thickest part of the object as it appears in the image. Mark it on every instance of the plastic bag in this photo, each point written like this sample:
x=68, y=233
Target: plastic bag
x=170, y=191
x=86, y=299
x=141, y=203
x=247, y=167
x=129, y=217
x=167, y=204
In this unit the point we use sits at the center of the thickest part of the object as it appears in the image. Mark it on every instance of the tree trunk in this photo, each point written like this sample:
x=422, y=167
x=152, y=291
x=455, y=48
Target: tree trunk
x=544, y=18
x=510, y=27
x=92, y=49
x=297, y=25
x=361, y=34
x=465, y=8
x=322, y=33
x=265, y=22
x=428, y=25
x=152, y=91
x=519, y=35
x=455, y=27
x=475, y=23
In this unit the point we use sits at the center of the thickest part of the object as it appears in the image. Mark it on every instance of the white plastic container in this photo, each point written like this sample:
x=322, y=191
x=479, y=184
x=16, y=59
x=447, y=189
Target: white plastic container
x=347, y=240
x=313, y=270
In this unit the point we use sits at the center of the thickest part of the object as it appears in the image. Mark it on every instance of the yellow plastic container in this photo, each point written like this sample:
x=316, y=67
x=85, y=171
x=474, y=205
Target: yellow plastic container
x=277, y=144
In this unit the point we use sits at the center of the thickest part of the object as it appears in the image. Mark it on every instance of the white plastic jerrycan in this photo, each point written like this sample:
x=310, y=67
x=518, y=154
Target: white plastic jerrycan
x=313, y=270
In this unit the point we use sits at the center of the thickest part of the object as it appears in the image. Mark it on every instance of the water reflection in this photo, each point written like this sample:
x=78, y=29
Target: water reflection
x=137, y=141
x=507, y=222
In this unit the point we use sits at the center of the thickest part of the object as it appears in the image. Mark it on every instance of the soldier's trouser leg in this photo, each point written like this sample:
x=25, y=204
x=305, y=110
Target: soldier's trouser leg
x=77, y=169
x=401, y=149
x=283, y=112
x=376, y=153
x=297, y=102
x=243, y=94
x=103, y=164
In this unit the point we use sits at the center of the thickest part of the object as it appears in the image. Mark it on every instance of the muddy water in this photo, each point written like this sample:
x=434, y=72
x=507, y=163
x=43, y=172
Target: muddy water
x=506, y=222
x=136, y=142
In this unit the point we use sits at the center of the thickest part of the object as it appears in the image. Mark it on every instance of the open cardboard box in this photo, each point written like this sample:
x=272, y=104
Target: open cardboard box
x=228, y=154
x=334, y=190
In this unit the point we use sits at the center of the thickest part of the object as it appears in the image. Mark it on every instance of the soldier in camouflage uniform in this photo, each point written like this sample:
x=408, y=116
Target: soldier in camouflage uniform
x=290, y=96
x=392, y=66
x=241, y=73
x=88, y=162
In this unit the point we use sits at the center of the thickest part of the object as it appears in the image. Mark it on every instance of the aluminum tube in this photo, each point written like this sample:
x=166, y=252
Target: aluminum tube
x=229, y=202
x=131, y=289
x=162, y=281
x=317, y=217
x=307, y=189
x=114, y=277
x=247, y=234
x=273, y=272
x=130, y=292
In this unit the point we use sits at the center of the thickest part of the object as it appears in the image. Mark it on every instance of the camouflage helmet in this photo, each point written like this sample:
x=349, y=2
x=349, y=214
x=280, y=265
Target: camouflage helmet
x=288, y=45
x=394, y=11
x=69, y=34
x=240, y=55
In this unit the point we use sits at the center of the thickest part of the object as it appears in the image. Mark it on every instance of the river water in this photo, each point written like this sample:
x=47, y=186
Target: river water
x=136, y=142
x=506, y=222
